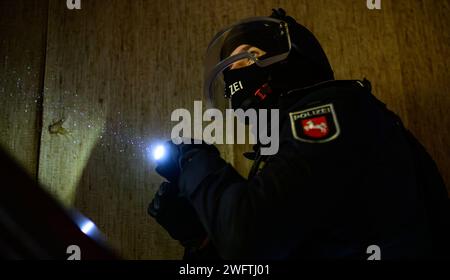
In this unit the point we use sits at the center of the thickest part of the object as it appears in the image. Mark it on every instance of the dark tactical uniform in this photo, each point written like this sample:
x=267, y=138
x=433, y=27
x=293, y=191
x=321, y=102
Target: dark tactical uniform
x=347, y=175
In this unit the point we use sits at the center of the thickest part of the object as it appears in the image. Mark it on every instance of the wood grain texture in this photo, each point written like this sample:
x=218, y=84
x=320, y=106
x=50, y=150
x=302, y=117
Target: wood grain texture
x=116, y=69
x=423, y=36
x=22, y=54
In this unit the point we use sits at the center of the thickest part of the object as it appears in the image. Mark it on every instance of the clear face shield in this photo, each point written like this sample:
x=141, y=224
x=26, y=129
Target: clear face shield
x=261, y=40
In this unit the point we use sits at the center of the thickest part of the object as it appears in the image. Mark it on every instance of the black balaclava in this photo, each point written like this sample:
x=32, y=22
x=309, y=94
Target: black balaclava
x=306, y=65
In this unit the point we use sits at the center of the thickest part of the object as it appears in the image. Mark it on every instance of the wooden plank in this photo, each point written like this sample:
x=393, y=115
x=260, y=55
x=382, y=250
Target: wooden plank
x=23, y=27
x=113, y=77
x=424, y=39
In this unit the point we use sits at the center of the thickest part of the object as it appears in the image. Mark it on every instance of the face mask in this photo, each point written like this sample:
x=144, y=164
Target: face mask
x=246, y=86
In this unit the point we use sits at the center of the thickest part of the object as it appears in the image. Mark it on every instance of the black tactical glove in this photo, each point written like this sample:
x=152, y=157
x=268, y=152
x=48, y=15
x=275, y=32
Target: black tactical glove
x=177, y=216
x=171, y=210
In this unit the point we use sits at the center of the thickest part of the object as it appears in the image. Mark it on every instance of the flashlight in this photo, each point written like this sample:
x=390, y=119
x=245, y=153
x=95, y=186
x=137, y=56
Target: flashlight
x=165, y=157
x=159, y=152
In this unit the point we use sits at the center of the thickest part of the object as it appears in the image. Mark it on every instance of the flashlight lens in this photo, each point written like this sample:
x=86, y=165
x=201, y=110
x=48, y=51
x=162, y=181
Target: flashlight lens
x=159, y=152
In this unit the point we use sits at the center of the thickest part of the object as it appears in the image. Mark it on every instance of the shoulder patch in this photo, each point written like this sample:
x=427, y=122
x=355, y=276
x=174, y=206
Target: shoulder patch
x=315, y=125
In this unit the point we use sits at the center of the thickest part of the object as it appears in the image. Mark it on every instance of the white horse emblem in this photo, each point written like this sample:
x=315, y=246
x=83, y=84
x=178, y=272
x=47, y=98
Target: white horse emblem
x=310, y=125
x=315, y=125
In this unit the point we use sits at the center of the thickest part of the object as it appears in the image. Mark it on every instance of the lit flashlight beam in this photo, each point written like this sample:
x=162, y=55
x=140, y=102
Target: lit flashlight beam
x=159, y=152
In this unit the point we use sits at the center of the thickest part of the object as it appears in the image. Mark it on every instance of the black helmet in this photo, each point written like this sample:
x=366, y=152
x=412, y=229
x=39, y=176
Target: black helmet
x=289, y=57
x=307, y=63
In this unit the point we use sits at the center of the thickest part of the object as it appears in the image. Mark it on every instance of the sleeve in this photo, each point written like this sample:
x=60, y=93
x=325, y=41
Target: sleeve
x=435, y=195
x=251, y=219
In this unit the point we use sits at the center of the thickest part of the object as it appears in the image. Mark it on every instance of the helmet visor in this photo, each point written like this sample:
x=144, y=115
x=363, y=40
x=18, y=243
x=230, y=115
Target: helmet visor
x=262, y=41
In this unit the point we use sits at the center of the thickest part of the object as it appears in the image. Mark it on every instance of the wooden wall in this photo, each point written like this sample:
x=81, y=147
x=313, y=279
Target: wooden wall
x=106, y=78
x=23, y=26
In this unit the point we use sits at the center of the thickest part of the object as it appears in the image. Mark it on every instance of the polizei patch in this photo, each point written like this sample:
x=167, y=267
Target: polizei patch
x=315, y=125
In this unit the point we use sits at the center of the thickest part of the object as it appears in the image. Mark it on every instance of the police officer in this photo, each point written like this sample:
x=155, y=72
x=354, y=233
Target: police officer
x=347, y=175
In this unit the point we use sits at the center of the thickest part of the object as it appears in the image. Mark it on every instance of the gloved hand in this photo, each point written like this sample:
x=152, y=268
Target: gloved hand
x=177, y=156
x=176, y=215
